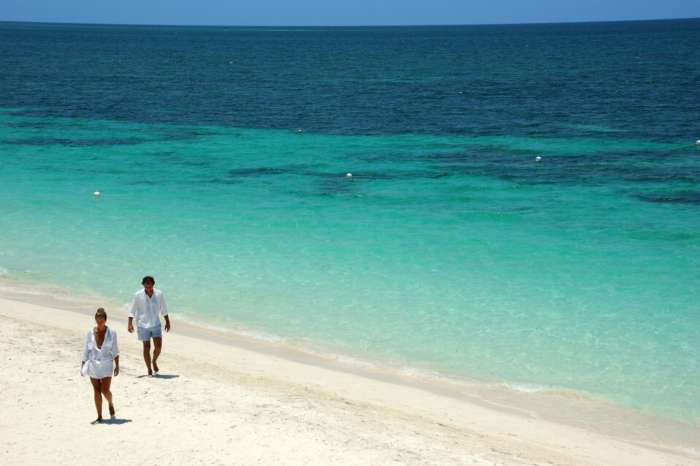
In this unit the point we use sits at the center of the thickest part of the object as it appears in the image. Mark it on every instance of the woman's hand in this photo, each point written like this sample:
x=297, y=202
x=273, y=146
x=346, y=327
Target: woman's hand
x=116, y=371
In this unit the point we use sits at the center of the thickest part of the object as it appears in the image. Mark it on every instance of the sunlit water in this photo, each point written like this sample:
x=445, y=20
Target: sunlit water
x=451, y=247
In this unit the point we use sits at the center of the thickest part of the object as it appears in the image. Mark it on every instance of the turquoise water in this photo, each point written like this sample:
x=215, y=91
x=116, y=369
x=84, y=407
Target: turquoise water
x=571, y=286
x=450, y=248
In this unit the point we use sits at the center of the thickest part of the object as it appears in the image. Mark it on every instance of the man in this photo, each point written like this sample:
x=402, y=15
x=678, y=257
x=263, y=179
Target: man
x=147, y=307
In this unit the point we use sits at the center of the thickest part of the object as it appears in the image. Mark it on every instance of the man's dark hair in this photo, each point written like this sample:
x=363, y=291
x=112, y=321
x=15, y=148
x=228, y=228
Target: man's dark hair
x=148, y=278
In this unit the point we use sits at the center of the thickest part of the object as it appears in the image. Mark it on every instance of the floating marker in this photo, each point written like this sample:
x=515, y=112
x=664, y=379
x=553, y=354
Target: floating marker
x=697, y=143
x=300, y=130
x=538, y=158
x=348, y=175
x=97, y=194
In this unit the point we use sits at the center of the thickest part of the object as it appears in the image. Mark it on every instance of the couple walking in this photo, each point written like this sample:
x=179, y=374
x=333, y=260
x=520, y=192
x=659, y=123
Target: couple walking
x=101, y=350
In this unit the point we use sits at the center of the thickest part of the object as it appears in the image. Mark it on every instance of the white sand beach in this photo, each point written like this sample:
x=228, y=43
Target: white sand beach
x=223, y=402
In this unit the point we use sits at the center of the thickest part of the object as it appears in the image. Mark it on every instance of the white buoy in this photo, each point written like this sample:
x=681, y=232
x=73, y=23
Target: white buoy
x=348, y=175
x=300, y=130
x=697, y=143
x=538, y=158
x=97, y=194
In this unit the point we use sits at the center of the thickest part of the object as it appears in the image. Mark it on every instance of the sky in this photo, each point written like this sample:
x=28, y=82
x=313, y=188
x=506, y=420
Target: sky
x=337, y=12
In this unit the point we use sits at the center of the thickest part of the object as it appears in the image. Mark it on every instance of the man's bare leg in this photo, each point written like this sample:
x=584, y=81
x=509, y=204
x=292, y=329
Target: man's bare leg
x=147, y=355
x=158, y=343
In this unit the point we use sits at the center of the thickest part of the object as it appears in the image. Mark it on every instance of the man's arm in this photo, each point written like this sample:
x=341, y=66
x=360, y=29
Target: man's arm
x=132, y=313
x=164, y=312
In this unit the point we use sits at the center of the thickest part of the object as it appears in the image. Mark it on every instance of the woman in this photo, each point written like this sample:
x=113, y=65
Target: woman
x=100, y=360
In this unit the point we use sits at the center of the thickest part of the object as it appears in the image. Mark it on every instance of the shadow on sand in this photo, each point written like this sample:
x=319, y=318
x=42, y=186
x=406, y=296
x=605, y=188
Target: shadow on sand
x=159, y=376
x=115, y=422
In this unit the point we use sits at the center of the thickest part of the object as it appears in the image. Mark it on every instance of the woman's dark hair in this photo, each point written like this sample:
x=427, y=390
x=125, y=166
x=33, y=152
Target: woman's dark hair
x=101, y=313
x=148, y=278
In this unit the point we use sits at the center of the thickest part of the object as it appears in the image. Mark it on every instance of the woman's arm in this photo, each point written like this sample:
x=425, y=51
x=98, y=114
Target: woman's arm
x=115, y=352
x=86, y=351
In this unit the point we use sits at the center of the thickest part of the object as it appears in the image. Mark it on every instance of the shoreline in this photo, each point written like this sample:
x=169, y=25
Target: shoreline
x=533, y=418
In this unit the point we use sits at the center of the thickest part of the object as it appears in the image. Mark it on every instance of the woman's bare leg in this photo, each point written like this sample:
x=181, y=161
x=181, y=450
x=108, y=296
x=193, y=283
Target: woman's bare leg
x=97, y=392
x=106, y=383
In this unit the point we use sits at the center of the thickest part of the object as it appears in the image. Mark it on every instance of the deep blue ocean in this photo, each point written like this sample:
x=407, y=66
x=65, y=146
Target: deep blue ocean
x=524, y=204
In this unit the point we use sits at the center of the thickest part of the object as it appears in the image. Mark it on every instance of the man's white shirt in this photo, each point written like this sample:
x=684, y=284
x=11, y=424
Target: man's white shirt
x=146, y=310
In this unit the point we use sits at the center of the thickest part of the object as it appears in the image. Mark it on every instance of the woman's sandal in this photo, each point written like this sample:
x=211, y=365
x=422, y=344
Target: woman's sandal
x=97, y=421
x=111, y=412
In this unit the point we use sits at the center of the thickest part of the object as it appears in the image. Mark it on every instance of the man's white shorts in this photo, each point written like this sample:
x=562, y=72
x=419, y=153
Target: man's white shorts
x=145, y=334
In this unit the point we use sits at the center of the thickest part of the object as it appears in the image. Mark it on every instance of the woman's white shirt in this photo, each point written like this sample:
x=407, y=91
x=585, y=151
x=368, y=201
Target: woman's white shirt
x=99, y=361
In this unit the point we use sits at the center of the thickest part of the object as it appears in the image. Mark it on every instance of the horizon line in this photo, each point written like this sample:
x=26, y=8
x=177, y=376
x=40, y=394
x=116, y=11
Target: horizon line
x=525, y=23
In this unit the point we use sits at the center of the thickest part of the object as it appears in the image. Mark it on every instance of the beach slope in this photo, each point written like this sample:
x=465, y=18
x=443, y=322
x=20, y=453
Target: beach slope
x=222, y=404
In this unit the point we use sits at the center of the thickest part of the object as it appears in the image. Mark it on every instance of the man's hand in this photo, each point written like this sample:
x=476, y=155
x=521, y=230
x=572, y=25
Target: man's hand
x=130, y=328
x=167, y=324
x=116, y=371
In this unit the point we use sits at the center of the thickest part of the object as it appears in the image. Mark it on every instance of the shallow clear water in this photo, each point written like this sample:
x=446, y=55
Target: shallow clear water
x=222, y=154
